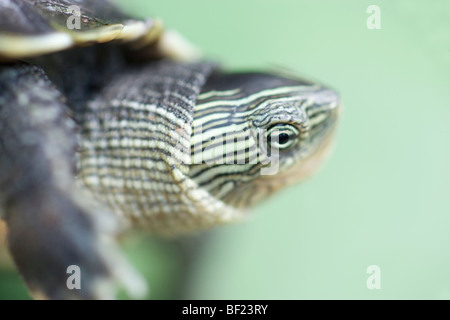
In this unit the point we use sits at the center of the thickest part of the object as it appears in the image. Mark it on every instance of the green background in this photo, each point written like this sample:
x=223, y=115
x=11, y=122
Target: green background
x=382, y=198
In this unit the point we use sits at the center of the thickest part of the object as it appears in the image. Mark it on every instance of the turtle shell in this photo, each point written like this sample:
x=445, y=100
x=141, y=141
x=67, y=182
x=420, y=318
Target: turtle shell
x=30, y=28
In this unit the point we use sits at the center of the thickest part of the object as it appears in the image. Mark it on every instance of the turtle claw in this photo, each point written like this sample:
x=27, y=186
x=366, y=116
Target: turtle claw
x=62, y=254
x=61, y=239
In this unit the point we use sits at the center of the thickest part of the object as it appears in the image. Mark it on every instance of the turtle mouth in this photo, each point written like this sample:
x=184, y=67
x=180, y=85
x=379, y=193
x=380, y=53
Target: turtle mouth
x=247, y=194
x=321, y=146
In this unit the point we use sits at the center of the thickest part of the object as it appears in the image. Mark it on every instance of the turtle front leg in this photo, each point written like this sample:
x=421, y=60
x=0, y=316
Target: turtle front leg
x=61, y=239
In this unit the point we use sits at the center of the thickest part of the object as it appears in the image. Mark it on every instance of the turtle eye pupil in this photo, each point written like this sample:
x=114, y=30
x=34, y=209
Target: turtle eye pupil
x=283, y=138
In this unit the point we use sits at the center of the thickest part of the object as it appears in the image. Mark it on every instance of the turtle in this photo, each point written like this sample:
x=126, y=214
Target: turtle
x=111, y=123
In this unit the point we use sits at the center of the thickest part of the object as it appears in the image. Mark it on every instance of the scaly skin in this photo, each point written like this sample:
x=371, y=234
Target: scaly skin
x=65, y=200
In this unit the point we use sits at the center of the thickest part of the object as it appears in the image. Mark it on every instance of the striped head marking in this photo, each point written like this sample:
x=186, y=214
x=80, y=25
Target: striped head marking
x=254, y=133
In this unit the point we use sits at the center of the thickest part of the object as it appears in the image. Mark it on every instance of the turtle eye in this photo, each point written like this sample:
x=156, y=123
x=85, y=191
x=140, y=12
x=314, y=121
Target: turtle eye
x=282, y=136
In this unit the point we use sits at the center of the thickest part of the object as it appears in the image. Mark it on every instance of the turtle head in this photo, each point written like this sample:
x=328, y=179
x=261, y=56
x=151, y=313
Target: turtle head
x=254, y=133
